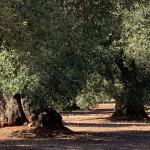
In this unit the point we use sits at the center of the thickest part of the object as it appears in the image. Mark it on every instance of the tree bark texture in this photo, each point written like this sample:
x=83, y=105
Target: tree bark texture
x=129, y=112
x=131, y=105
x=16, y=111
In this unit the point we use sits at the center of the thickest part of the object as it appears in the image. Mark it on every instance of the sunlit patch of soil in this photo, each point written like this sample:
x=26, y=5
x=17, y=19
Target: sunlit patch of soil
x=97, y=120
x=92, y=130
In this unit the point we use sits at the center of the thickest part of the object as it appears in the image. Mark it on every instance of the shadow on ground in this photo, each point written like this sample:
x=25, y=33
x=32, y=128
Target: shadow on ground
x=89, y=112
x=128, y=139
x=104, y=124
x=122, y=140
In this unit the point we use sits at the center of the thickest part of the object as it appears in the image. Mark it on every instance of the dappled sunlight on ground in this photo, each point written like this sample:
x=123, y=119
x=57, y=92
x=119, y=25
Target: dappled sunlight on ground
x=93, y=131
x=97, y=120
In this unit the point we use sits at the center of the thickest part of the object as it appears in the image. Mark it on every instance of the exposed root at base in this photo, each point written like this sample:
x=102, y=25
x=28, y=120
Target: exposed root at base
x=42, y=132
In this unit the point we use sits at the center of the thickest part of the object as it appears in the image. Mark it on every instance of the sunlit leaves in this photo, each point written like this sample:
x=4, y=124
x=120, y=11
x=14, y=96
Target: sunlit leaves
x=14, y=76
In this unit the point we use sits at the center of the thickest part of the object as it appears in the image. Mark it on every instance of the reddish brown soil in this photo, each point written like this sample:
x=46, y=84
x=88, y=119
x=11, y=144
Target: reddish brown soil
x=93, y=132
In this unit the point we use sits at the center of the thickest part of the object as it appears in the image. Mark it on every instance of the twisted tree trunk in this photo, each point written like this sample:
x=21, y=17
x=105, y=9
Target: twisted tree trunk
x=131, y=104
x=129, y=111
x=16, y=111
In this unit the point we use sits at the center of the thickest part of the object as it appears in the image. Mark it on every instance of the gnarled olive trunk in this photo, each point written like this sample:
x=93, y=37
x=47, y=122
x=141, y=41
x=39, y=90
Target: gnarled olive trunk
x=129, y=111
x=11, y=111
x=130, y=105
x=16, y=111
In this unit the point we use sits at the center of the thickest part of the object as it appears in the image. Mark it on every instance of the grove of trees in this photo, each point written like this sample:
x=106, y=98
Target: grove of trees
x=61, y=53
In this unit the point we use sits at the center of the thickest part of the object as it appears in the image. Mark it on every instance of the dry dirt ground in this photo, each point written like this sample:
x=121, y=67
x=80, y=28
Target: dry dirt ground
x=94, y=131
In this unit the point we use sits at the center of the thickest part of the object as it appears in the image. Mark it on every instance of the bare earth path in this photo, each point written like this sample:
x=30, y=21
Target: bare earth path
x=93, y=132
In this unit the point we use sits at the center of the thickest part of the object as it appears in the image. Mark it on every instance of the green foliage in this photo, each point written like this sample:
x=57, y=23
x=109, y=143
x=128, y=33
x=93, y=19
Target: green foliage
x=137, y=30
x=15, y=77
x=131, y=54
x=92, y=92
x=61, y=52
